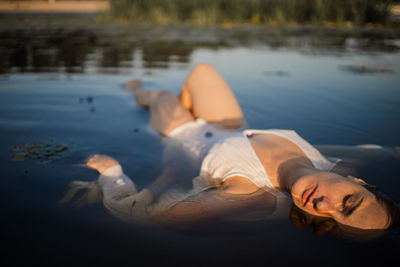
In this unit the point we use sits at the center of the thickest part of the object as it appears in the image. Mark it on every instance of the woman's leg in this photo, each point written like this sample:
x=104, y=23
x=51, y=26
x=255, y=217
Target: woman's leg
x=142, y=97
x=205, y=94
x=166, y=111
x=209, y=97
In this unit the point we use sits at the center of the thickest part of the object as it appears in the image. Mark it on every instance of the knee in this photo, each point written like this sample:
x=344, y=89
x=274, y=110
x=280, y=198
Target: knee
x=203, y=68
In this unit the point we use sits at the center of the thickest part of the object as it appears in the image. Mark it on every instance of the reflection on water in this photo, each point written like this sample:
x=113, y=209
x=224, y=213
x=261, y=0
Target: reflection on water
x=364, y=69
x=116, y=50
x=284, y=78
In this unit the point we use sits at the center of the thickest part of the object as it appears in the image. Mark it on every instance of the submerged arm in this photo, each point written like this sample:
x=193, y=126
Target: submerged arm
x=120, y=195
x=156, y=204
x=123, y=200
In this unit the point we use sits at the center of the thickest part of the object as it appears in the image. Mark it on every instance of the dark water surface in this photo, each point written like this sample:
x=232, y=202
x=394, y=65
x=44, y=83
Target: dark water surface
x=65, y=87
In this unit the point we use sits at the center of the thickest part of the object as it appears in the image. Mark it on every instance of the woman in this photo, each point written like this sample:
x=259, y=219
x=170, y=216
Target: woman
x=204, y=122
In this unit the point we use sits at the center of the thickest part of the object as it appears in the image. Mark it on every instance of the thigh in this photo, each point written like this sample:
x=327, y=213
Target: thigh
x=167, y=113
x=209, y=97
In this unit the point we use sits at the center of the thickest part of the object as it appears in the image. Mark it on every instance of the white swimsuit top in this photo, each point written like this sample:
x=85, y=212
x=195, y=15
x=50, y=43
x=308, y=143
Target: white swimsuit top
x=236, y=157
x=227, y=154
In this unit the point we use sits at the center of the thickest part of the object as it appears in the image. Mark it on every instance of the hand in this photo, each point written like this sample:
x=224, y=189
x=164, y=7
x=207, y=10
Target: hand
x=100, y=163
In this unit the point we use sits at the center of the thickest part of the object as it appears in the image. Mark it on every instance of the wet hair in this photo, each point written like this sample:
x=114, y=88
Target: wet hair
x=325, y=225
x=391, y=207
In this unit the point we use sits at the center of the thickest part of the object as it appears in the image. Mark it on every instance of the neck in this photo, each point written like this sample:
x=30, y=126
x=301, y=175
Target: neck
x=291, y=171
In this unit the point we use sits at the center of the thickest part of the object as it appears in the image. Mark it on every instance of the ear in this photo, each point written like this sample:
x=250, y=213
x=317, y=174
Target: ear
x=357, y=180
x=361, y=182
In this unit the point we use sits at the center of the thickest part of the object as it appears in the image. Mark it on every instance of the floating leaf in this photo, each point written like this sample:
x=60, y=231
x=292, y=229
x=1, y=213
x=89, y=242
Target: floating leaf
x=60, y=148
x=34, y=155
x=42, y=152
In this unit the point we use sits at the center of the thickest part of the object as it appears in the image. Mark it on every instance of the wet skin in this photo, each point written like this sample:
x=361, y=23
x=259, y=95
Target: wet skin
x=318, y=193
x=343, y=199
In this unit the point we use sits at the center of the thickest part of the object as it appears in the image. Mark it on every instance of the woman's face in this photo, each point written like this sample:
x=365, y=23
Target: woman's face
x=338, y=197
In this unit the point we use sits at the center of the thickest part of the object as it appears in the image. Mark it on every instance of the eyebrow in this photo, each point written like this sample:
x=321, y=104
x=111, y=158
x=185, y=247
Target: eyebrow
x=350, y=210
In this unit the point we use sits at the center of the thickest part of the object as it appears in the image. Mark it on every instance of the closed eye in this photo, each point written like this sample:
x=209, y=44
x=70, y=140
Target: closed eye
x=351, y=203
x=346, y=200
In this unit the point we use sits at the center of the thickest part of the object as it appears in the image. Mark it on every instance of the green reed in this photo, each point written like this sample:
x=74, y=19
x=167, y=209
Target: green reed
x=210, y=12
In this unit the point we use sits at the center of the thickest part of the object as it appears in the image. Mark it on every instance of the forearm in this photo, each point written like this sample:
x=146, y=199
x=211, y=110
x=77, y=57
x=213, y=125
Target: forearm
x=115, y=184
x=165, y=180
x=121, y=197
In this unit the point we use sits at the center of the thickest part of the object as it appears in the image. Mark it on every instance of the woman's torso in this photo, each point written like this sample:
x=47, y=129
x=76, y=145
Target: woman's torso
x=273, y=150
x=220, y=157
x=258, y=156
x=255, y=155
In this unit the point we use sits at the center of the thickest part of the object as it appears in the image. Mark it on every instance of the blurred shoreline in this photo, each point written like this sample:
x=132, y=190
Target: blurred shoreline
x=257, y=13
x=98, y=23
x=79, y=6
x=49, y=44
x=53, y=6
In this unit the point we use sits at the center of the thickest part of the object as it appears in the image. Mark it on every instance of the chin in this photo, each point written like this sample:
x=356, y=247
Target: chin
x=297, y=200
x=298, y=189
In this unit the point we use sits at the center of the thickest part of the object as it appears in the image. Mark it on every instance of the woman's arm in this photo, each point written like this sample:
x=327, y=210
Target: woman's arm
x=216, y=204
x=120, y=196
x=122, y=199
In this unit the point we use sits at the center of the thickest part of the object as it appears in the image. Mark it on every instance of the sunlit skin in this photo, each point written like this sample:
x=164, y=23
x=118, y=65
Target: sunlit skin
x=334, y=196
x=318, y=193
x=101, y=162
x=343, y=199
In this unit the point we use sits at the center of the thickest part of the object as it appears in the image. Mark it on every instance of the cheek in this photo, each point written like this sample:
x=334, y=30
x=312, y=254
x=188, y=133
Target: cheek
x=332, y=192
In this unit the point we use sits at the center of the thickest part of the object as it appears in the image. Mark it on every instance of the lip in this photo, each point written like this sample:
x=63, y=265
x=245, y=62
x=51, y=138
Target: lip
x=307, y=194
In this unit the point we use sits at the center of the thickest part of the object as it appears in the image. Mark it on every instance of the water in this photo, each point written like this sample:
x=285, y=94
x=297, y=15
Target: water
x=332, y=87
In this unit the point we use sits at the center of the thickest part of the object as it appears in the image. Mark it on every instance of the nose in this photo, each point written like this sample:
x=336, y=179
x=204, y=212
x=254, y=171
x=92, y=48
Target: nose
x=321, y=204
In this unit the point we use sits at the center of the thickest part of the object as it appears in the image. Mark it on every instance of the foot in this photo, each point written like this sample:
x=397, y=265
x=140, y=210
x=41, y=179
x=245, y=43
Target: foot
x=142, y=97
x=134, y=85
